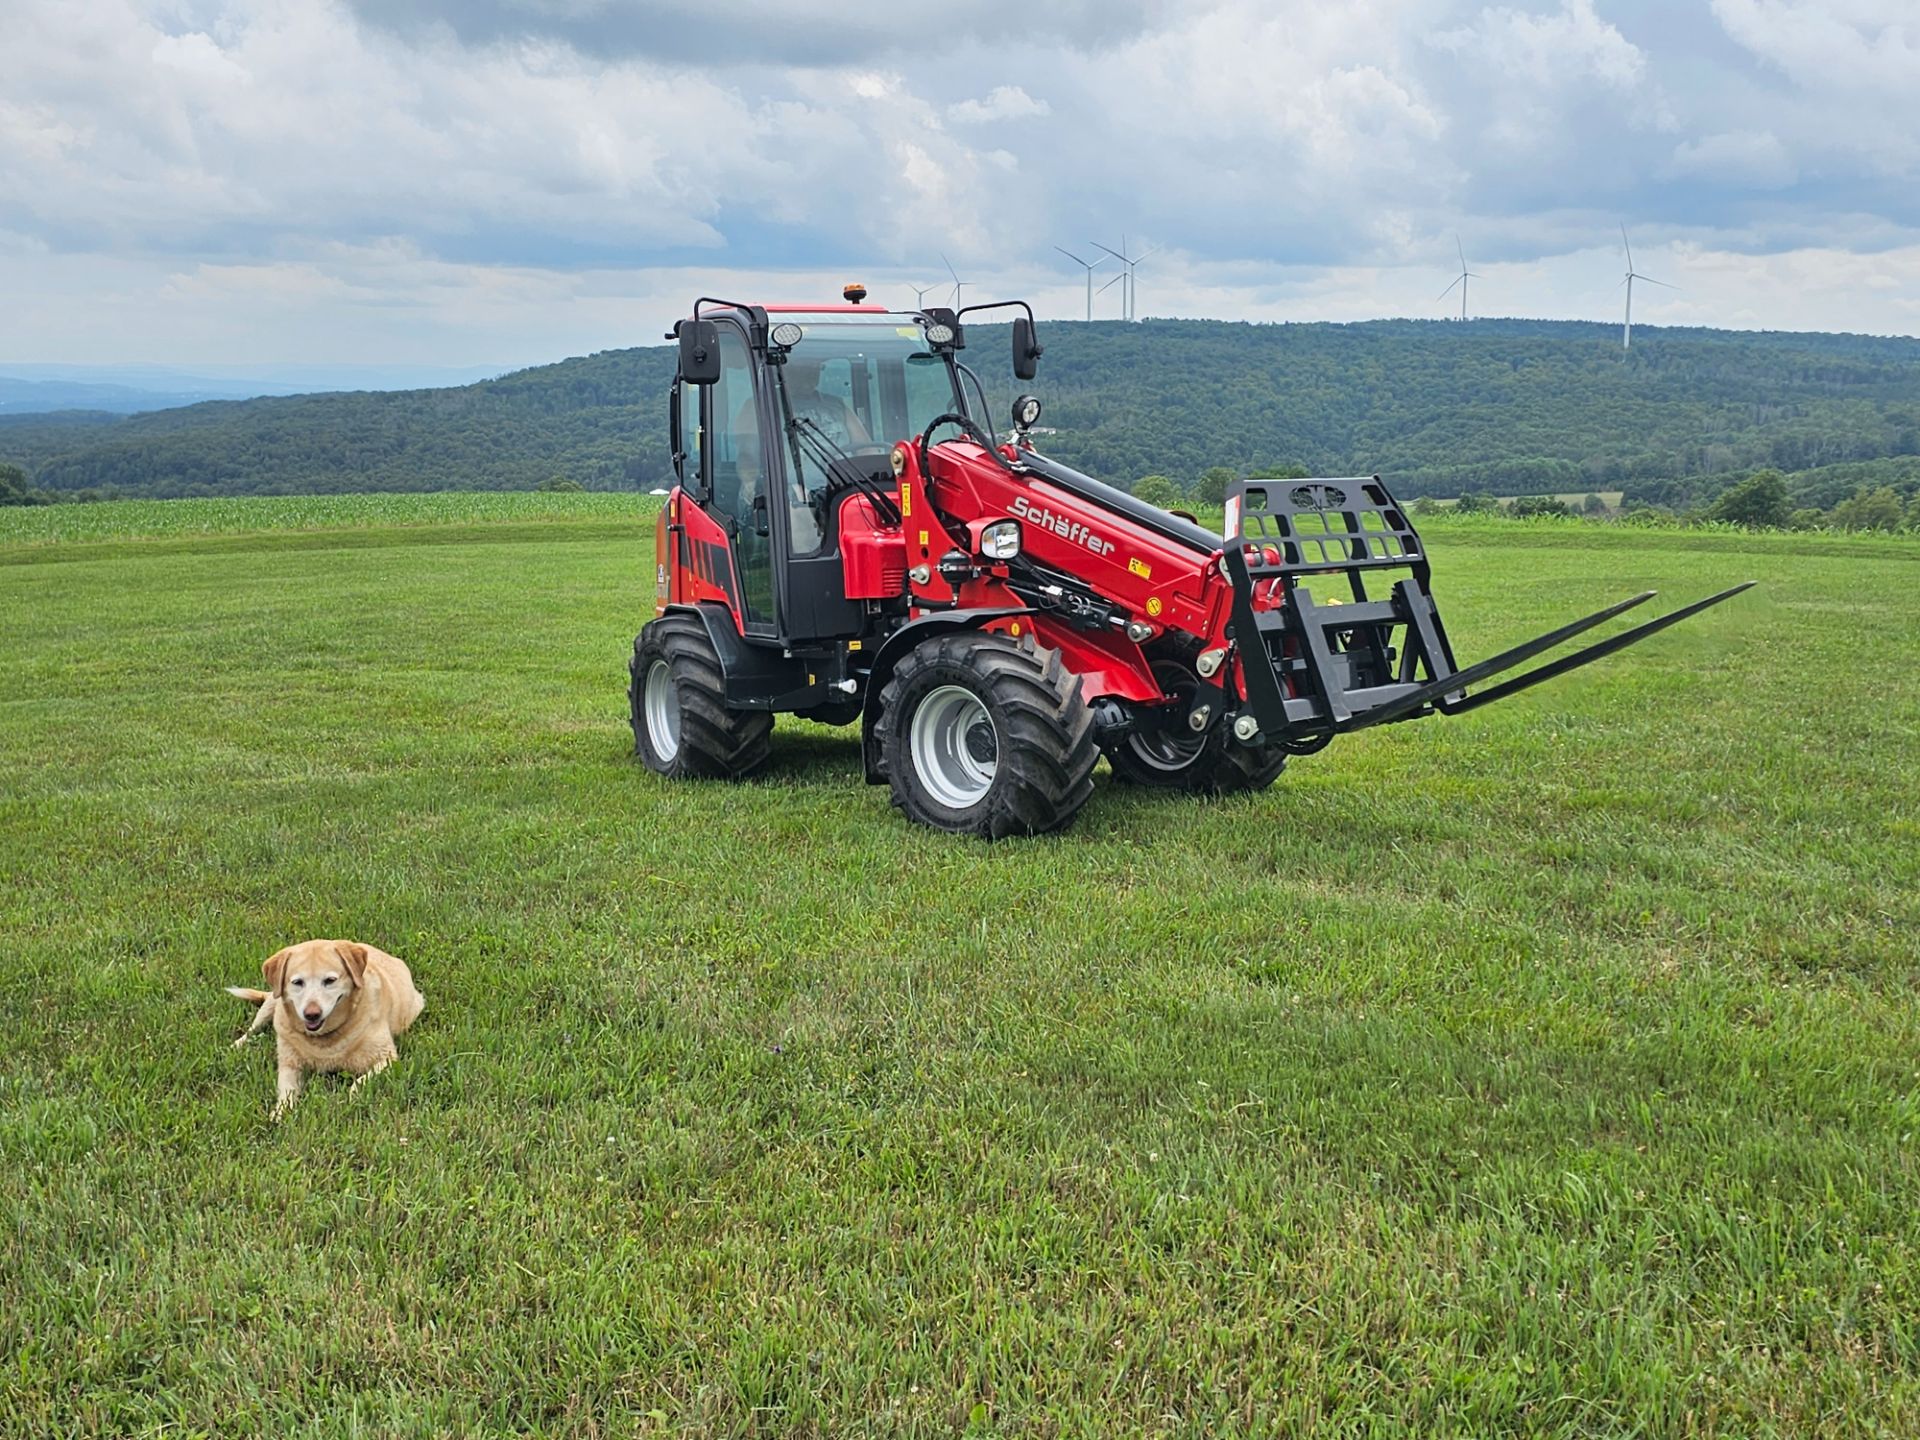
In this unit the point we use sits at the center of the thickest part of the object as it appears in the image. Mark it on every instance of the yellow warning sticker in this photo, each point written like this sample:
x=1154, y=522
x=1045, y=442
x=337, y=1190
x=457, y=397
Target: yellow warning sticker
x=923, y=540
x=1140, y=567
x=906, y=500
x=1154, y=607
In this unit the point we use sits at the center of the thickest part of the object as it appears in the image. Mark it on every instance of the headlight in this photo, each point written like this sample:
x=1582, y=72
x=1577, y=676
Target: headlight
x=787, y=334
x=1026, y=412
x=1001, y=540
x=938, y=334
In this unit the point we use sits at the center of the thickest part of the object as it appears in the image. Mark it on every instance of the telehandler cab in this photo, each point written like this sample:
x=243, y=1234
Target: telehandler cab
x=847, y=542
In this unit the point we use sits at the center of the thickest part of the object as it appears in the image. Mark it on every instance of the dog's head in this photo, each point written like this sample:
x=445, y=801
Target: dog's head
x=316, y=981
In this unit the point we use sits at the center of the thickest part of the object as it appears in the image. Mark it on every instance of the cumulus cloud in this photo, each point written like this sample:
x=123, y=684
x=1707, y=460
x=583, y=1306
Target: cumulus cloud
x=1003, y=102
x=321, y=150
x=1837, y=45
x=1753, y=158
x=1545, y=51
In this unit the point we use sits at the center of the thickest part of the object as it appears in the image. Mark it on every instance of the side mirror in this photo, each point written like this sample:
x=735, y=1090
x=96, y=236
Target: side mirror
x=1026, y=349
x=699, y=352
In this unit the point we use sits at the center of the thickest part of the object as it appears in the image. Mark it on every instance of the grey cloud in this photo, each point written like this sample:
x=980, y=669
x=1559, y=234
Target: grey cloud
x=1748, y=158
x=566, y=134
x=810, y=33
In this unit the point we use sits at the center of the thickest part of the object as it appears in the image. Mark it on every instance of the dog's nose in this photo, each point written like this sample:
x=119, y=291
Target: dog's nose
x=312, y=1016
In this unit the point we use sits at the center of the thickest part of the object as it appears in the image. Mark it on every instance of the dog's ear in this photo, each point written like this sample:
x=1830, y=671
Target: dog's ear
x=354, y=957
x=276, y=972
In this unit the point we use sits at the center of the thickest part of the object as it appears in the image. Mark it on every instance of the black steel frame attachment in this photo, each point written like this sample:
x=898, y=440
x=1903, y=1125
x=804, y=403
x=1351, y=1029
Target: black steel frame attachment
x=1356, y=663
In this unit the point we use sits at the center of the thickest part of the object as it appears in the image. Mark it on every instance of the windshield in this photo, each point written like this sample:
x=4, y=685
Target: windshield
x=849, y=391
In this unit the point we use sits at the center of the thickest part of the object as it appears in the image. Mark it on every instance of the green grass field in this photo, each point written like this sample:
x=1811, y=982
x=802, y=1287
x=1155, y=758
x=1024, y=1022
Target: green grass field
x=1553, y=1071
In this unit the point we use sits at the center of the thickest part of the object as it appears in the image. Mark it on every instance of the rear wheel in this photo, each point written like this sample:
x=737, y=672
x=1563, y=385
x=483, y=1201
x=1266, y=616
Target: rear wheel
x=1171, y=758
x=676, y=693
x=984, y=735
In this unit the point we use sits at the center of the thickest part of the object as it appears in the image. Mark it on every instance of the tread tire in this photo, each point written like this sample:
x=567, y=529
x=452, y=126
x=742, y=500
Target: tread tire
x=716, y=742
x=1046, y=754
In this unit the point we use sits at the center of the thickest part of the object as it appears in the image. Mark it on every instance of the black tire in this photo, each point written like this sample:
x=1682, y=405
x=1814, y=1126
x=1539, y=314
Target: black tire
x=712, y=741
x=1216, y=764
x=1025, y=730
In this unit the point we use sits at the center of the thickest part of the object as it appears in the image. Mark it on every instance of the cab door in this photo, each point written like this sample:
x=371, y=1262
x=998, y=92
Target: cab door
x=734, y=469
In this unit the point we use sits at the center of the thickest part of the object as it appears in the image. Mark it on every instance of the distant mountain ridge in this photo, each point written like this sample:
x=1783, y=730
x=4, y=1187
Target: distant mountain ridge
x=22, y=396
x=1439, y=407
x=27, y=389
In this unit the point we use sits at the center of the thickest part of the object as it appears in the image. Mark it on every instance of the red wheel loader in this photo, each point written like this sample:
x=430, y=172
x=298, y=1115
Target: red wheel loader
x=848, y=542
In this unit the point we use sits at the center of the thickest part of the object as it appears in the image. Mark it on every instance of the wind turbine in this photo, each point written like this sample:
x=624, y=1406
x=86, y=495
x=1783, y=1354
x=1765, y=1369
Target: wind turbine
x=957, y=281
x=1626, y=332
x=1089, y=267
x=1461, y=279
x=1116, y=280
x=1127, y=291
x=920, y=293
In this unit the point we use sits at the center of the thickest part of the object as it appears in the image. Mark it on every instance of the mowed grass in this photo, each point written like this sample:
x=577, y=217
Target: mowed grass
x=141, y=519
x=1552, y=1071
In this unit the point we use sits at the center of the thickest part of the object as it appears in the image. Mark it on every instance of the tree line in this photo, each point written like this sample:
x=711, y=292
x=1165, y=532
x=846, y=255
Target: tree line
x=1439, y=408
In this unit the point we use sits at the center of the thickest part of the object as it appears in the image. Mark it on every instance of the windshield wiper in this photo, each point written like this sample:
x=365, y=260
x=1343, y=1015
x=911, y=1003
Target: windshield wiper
x=838, y=464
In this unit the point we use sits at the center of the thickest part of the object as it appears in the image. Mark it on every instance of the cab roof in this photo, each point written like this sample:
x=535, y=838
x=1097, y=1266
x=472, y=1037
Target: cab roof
x=827, y=310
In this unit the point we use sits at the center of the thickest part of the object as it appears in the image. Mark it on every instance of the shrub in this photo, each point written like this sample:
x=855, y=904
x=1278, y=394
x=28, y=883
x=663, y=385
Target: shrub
x=1211, y=488
x=1158, y=490
x=1759, y=502
x=1866, y=509
x=1529, y=507
x=13, y=488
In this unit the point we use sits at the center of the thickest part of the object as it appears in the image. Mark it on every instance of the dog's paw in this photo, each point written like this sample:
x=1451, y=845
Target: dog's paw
x=241, y=1043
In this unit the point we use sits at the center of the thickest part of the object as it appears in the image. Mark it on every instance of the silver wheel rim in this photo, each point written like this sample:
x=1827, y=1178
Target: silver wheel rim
x=955, y=747
x=663, y=711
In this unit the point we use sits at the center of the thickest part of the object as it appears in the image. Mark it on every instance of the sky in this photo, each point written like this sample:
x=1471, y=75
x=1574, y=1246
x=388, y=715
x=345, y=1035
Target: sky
x=498, y=183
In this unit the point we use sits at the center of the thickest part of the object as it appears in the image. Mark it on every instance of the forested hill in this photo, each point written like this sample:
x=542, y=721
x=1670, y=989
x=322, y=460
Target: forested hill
x=1438, y=407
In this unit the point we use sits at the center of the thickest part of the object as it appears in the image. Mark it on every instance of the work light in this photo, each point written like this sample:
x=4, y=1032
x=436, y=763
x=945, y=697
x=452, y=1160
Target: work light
x=1001, y=540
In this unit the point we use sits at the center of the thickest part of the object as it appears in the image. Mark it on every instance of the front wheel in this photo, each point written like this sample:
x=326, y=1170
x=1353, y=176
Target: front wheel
x=677, y=696
x=984, y=735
